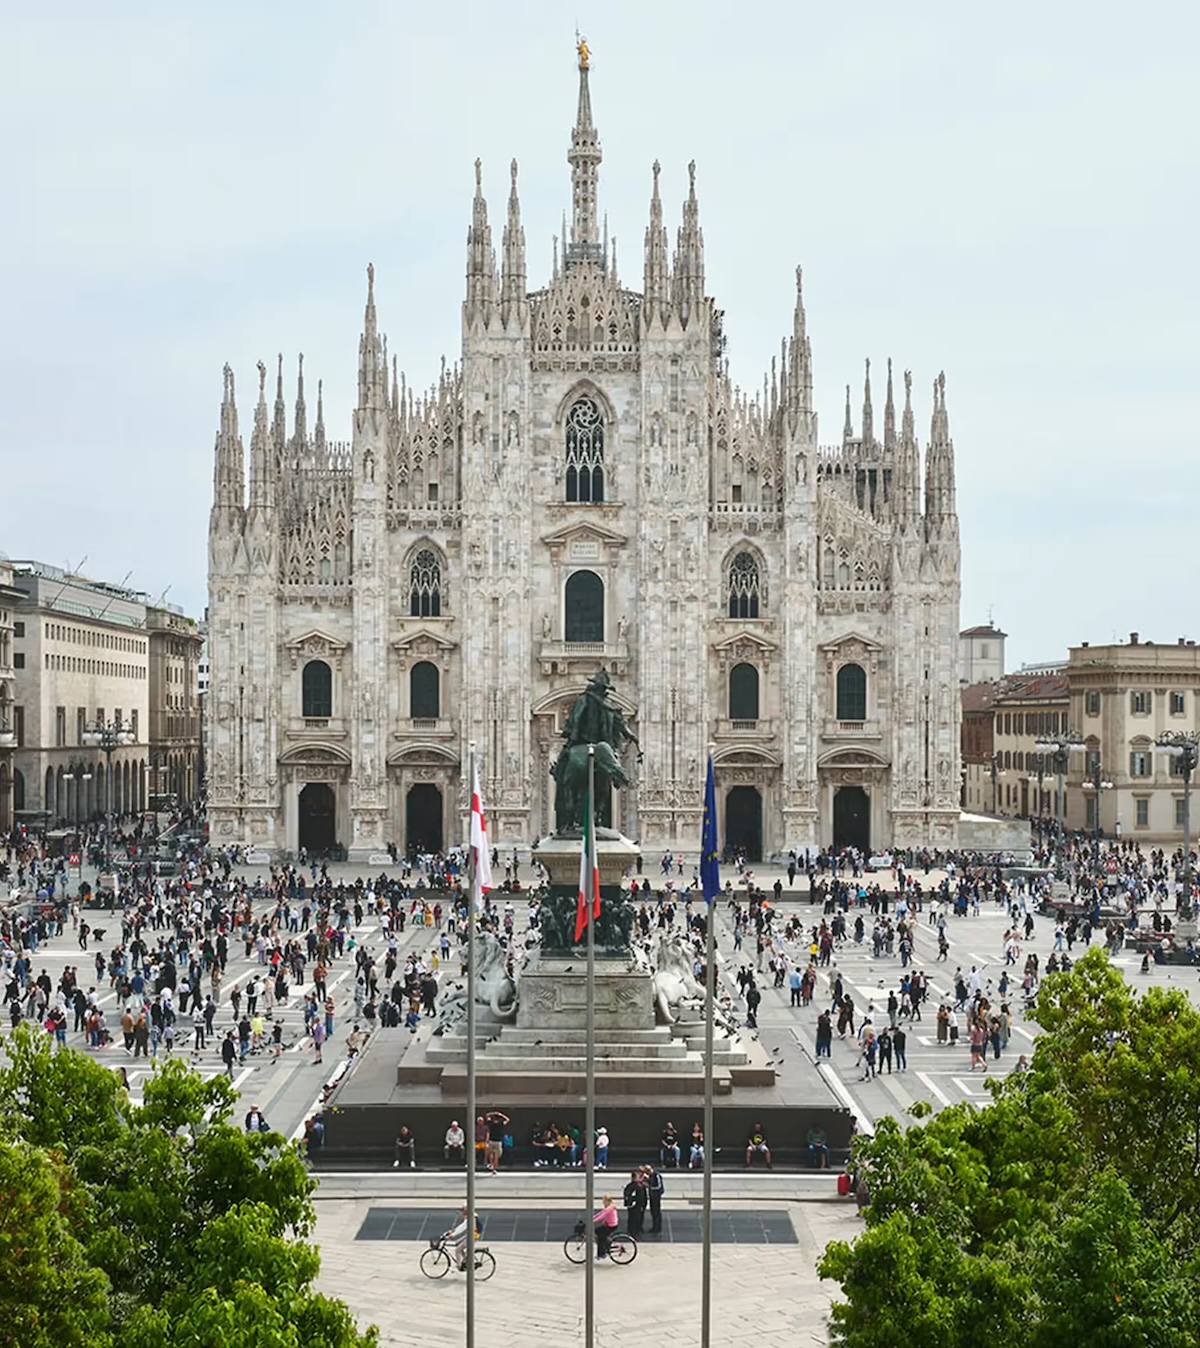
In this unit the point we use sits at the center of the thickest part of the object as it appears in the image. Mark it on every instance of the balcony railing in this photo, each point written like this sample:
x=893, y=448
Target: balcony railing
x=748, y=727
x=424, y=725
x=839, y=729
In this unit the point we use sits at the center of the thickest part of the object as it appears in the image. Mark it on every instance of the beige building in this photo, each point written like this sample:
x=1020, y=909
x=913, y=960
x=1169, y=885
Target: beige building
x=1123, y=697
x=80, y=658
x=175, y=643
x=9, y=598
x=981, y=654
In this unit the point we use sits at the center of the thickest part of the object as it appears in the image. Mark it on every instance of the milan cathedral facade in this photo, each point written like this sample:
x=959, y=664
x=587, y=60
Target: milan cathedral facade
x=585, y=489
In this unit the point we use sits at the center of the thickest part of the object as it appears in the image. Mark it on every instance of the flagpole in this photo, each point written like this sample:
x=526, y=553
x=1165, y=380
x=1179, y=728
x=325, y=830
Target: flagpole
x=708, y=840
x=472, y=869
x=589, y=842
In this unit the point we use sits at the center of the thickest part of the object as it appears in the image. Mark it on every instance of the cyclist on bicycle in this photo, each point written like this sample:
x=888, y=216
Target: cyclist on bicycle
x=606, y=1223
x=459, y=1236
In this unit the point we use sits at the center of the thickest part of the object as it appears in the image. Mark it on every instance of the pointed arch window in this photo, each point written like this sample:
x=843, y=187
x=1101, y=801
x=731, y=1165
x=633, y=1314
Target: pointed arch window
x=585, y=452
x=425, y=585
x=745, y=586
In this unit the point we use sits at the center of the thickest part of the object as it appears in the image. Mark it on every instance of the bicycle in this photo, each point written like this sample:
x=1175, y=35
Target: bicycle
x=622, y=1247
x=437, y=1260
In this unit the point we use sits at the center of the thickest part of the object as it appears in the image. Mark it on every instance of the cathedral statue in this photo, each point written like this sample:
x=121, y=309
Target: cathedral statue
x=594, y=720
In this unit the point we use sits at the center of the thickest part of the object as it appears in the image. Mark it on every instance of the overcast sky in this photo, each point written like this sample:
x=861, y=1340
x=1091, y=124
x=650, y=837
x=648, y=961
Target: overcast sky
x=1009, y=193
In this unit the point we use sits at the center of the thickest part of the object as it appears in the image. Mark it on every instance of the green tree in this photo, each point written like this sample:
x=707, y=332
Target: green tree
x=1064, y=1212
x=192, y=1229
x=48, y=1294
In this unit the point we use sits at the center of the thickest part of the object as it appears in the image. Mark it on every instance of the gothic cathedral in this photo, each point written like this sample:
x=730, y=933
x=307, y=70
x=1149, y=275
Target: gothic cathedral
x=585, y=489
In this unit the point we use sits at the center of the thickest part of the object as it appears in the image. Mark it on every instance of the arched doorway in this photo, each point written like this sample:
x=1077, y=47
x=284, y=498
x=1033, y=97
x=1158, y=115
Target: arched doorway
x=743, y=821
x=423, y=819
x=318, y=818
x=852, y=819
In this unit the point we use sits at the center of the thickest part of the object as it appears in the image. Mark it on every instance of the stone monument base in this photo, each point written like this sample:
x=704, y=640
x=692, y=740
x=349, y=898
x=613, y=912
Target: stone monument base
x=554, y=996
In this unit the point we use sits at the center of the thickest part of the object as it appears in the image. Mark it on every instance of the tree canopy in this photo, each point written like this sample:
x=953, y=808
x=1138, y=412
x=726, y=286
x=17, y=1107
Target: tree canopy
x=1066, y=1211
x=127, y=1226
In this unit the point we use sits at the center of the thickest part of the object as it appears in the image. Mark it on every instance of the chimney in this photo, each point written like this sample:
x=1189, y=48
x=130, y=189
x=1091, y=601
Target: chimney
x=1182, y=642
x=1084, y=644
x=1133, y=638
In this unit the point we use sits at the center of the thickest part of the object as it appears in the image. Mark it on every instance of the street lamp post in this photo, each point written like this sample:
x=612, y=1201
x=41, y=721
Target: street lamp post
x=1058, y=751
x=995, y=785
x=1184, y=747
x=1097, y=786
x=77, y=772
x=108, y=737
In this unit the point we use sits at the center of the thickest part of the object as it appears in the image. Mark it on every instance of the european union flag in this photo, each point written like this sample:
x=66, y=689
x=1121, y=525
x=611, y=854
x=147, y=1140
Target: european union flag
x=710, y=873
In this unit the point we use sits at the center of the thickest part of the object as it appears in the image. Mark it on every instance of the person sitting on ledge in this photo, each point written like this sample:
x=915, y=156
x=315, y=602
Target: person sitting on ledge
x=668, y=1147
x=757, y=1142
x=406, y=1148
x=454, y=1147
x=818, y=1147
x=696, y=1156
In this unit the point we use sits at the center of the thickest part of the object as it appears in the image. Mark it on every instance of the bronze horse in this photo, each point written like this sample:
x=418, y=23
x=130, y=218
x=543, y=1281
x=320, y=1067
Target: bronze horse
x=570, y=772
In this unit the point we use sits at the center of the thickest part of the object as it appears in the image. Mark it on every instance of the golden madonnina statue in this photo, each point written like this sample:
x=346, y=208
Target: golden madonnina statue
x=585, y=55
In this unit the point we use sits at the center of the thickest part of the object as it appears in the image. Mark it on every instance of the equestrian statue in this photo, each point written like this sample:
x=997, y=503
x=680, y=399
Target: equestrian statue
x=593, y=720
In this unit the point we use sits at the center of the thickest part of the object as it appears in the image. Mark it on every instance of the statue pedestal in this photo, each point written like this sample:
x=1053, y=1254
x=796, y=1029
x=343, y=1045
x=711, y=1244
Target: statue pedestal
x=554, y=987
x=615, y=854
x=554, y=996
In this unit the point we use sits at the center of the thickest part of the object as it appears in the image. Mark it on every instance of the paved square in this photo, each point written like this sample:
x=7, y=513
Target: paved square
x=763, y=1295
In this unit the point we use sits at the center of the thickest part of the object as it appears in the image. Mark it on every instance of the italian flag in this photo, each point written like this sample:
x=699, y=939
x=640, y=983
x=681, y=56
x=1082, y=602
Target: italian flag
x=589, y=872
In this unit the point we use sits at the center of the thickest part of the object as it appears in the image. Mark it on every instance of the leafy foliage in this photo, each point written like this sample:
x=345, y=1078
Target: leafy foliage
x=1068, y=1211
x=162, y=1224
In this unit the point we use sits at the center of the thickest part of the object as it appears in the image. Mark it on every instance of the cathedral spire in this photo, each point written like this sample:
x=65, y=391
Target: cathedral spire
x=319, y=429
x=372, y=372
x=656, y=277
x=889, y=414
x=512, y=285
x=262, y=475
x=689, y=254
x=868, y=413
x=301, y=429
x=481, y=260
x=908, y=462
x=229, y=480
x=279, y=420
x=848, y=428
x=800, y=363
x=584, y=158
x=939, y=465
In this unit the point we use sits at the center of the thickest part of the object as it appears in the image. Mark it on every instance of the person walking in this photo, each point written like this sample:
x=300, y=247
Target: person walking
x=228, y=1053
x=318, y=1038
x=899, y=1049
